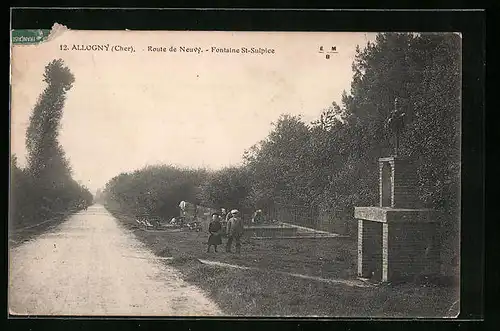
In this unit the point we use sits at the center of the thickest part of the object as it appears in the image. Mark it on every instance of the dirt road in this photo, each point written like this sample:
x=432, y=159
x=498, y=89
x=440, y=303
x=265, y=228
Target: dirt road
x=91, y=265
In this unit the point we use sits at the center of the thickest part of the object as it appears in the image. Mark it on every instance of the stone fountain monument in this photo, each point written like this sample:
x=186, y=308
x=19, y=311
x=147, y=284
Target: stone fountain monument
x=396, y=239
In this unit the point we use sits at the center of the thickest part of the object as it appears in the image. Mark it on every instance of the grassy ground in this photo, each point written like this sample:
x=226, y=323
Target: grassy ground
x=266, y=293
x=20, y=234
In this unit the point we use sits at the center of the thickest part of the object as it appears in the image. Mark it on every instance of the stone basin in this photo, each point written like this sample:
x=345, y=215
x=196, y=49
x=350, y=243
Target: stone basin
x=270, y=230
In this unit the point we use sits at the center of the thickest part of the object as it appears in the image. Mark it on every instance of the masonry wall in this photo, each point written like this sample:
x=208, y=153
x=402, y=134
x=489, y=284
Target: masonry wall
x=405, y=184
x=412, y=249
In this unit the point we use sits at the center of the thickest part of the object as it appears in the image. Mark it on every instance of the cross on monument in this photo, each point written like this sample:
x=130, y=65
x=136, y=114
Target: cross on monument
x=396, y=122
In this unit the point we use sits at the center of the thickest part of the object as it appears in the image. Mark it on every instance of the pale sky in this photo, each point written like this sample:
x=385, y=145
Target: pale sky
x=127, y=110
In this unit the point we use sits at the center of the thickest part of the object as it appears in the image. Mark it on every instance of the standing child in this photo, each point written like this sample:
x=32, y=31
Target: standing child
x=214, y=228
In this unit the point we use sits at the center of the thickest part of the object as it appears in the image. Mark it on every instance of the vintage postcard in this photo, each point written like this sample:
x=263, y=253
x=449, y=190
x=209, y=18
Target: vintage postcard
x=204, y=173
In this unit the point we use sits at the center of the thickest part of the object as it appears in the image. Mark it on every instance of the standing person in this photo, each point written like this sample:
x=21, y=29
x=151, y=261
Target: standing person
x=230, y=215
x=215, y=229
x=234, y=231
x=225, y=221
x=258, y=217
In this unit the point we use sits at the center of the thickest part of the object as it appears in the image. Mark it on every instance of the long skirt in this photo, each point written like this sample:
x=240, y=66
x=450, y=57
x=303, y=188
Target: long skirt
x=214, y=239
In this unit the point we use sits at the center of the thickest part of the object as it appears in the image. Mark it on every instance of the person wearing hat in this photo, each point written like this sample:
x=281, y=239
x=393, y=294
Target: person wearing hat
x=215, y=229
x=234, y=231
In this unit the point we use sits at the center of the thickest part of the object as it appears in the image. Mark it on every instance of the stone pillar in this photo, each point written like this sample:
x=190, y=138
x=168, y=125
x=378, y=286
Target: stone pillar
x=386, y=181
x=360, y=248
x=385, y=252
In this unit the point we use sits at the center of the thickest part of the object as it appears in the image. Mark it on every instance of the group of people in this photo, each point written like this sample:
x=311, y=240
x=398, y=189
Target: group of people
x=233, y=230
x=83, y=205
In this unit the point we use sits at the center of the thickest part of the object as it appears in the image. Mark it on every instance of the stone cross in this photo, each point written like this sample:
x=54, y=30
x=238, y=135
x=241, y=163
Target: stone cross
x=396, y=122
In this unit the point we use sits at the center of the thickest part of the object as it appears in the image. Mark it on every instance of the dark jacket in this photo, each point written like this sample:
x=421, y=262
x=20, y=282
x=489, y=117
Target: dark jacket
x=214, y=227
x=215, y=233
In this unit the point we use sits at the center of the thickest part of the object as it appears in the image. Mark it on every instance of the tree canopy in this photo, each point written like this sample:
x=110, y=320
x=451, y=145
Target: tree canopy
x=332, y=161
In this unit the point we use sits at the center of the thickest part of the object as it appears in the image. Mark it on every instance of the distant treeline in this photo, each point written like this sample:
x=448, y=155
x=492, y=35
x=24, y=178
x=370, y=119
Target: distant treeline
x=44, y=188
x=332, y=162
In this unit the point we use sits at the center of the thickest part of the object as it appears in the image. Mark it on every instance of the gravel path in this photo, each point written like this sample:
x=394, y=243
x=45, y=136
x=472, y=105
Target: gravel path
x=83, y=268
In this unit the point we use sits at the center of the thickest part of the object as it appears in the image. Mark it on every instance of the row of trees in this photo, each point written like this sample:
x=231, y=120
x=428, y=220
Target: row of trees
x=44, y=187
x=332, y=162
x=154, y=190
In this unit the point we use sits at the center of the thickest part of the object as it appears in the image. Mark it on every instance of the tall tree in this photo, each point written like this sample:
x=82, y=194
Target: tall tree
x=45, y=186
x=279, y=163
x=46, y=157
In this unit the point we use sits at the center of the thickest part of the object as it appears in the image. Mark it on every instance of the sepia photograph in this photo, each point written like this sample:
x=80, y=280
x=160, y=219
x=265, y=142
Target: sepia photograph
x=234, y=173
